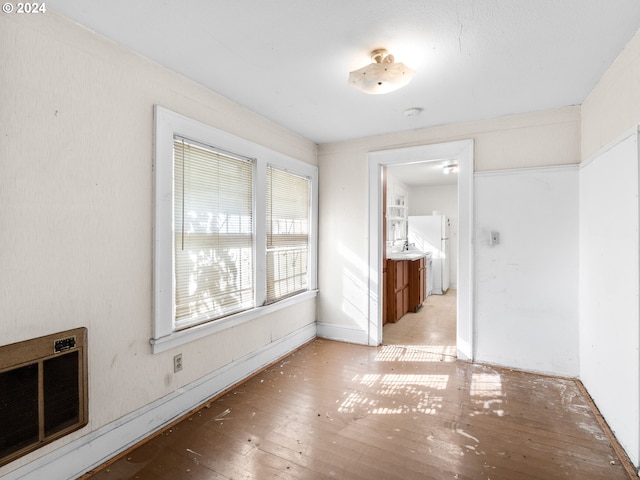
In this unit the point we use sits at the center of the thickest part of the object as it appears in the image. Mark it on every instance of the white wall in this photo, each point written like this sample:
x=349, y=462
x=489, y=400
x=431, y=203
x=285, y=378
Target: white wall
x=75, y=190
x=613, y=106
x=444, y=199
x=609, y=287
x=536, y=139
x=610, y=357
x=76, y=215
x=526, y=287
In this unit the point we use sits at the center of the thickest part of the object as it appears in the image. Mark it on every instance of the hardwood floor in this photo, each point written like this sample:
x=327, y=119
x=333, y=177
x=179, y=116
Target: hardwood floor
x=405, y=410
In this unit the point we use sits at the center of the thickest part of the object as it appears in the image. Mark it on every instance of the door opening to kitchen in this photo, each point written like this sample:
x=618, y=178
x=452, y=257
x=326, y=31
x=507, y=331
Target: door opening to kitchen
x=392, y=294
x=419, y=262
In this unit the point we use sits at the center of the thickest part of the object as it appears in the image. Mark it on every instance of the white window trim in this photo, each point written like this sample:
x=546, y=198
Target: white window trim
x=168, y=124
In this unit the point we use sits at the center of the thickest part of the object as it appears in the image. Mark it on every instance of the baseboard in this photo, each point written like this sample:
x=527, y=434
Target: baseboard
x=95, y=448
x=342, y=333
x=632, y=470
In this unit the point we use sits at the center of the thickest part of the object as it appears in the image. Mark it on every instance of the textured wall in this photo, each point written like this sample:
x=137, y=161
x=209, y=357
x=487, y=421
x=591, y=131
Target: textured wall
x=537, y=139
x=613, y=106
x=76, y=208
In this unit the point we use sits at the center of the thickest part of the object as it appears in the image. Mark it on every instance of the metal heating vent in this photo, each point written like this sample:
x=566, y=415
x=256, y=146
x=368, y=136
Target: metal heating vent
x=43, y=391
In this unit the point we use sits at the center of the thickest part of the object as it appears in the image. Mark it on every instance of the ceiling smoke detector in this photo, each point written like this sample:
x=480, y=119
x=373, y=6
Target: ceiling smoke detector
x=382, y=76
x=412, y=112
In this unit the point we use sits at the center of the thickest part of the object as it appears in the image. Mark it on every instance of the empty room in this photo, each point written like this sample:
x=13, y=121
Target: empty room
x=310, y=239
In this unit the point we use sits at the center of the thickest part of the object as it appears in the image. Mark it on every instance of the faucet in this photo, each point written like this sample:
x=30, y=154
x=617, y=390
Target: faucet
x=406, y=245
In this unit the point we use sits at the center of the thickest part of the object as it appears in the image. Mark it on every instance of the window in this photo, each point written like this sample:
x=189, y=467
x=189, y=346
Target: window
x=287, y=233
x=213, y=246
x=234, y=231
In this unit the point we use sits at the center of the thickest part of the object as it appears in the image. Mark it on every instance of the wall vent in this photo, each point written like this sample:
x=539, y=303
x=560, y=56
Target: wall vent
x=43, y=391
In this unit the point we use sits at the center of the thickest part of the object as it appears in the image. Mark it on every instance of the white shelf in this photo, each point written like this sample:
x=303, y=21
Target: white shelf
x=396, y=212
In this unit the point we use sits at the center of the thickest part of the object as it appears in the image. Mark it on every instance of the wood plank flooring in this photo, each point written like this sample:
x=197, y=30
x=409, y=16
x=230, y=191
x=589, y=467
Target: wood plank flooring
x=405, y=410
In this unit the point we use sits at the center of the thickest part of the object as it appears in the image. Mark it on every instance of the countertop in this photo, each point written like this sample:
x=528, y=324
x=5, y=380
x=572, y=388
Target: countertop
x=410, y=255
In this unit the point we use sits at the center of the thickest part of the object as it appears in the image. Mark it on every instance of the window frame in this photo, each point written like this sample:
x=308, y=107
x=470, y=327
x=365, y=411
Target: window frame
x=167, y=125
x=269, y=219
x=244, y=237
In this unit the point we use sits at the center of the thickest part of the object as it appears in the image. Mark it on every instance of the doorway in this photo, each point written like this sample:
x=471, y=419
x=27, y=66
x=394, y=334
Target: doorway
x=426, y=222
x=462, y=153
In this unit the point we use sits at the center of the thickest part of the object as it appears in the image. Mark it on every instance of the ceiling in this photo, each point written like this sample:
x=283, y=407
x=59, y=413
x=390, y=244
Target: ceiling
x=424, y=174
x=289, y=60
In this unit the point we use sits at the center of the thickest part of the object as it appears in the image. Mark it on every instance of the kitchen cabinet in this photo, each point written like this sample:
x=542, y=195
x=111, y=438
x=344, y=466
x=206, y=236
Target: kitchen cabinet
x=399, y=280
x=417, y=283
x=406, y=287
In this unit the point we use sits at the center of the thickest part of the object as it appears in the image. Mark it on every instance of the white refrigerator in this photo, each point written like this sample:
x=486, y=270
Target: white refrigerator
x=430, y=233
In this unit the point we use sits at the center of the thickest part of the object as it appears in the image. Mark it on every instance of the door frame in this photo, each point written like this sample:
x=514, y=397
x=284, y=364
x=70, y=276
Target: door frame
x=462, y=151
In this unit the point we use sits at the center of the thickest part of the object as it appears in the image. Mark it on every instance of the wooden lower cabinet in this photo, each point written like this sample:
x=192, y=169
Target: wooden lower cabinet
x=417, y=284
x=401, y=288
x=406, y=287
x=397, y=289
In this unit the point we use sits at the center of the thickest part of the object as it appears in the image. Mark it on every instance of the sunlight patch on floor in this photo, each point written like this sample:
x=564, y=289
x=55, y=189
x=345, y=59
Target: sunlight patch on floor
x=417, y=388
x=416, y=353
x=487, y=388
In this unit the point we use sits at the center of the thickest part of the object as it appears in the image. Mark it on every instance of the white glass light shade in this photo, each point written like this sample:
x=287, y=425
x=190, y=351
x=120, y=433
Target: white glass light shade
x=382, y=76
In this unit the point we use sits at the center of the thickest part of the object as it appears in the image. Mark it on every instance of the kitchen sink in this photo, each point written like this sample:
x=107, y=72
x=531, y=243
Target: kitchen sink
x=410, y=255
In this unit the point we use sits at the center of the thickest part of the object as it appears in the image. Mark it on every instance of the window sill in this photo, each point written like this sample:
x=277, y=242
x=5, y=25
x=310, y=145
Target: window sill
x=199, y=331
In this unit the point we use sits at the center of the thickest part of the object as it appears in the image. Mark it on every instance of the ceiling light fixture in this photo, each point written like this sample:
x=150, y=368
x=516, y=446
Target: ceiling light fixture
x=451, y=168
x=381, y=76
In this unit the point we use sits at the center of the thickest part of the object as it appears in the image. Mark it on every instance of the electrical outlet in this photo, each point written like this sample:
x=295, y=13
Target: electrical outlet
x=177, y=363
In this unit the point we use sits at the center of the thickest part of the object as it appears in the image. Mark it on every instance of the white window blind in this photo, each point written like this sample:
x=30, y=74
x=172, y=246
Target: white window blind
x=213, y=225
x=287, y=209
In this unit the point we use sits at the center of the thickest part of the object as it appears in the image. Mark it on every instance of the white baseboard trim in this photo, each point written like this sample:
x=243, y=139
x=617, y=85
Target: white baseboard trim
x=342, y=333
x=95, y=448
